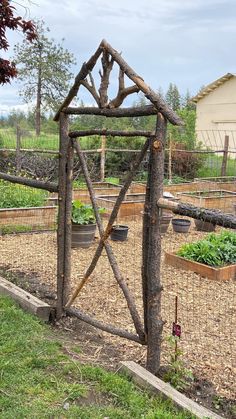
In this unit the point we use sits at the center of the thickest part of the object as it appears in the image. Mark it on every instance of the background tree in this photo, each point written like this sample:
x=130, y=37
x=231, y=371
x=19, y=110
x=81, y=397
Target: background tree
x=173, y=97
x=44, y=69
x=8, y=20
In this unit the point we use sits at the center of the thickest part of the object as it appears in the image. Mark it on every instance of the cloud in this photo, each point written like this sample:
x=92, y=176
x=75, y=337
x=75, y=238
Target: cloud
x=188, y=42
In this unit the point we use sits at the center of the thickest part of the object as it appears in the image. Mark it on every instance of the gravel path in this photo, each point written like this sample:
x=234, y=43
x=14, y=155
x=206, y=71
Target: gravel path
x=206, y=308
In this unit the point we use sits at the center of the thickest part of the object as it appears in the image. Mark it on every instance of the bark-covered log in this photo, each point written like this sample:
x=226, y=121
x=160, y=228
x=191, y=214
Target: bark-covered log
x=103, y=326
x=62, y=288
x=48, y=186
x=110, y=132
x=152, y=265
x=112, y=113
x=156, y=99
x=212, y=216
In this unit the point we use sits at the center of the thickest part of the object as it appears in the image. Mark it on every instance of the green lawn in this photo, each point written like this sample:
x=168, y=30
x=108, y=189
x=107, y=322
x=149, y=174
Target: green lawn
x=29, y=140
x=38, y=380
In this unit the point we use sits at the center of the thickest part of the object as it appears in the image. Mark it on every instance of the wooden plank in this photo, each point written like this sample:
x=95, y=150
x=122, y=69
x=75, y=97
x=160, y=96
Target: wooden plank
x=218, y=274
x=26, y=301
x=147, y=380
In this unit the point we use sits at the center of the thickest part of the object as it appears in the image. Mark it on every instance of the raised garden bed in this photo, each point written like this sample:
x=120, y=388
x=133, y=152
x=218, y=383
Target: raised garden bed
x=100, y=188
x=217, y=199
x=131, y=206
x=25, y=219
x=220, y=274
x=224, y=182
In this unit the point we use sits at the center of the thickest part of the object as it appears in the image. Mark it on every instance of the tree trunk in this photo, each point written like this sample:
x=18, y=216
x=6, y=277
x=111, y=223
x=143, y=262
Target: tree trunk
x=38, y=101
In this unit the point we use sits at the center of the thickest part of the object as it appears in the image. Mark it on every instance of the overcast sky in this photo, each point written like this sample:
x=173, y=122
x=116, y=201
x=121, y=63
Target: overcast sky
x=186, y=42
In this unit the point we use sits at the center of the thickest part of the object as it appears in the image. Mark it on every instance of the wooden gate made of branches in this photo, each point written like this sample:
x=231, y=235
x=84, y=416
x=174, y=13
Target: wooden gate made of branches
x=148, y=330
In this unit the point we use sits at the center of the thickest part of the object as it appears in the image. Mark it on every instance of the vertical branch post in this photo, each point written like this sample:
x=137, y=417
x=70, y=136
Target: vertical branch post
x=103, y=158
x=225, y=156
x=152, y=277
x=64, y=210
x=18, y=147
x=170, y=159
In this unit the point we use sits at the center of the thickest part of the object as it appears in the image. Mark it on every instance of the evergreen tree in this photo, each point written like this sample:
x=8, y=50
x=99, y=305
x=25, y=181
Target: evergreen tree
x=44, y=69
x=172, y=97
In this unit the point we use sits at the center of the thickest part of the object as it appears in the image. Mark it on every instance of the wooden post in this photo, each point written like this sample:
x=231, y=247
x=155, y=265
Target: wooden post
x=103, y=158
x=152, y=279
x=64, y=209
x=18, y=147
x=170, y=159
x=225, y=156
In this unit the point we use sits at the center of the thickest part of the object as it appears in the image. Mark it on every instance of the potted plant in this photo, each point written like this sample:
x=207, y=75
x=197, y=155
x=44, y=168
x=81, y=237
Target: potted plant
x=83, y=224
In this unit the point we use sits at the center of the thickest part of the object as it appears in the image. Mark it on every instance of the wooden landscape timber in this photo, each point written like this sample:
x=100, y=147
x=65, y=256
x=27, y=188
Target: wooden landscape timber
x=212, y=216
x=148, y=381
x=26, y=301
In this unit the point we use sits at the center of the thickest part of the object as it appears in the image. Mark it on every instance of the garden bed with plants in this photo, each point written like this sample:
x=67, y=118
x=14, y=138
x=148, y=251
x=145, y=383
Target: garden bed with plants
x=214, y=257
x=23, y=209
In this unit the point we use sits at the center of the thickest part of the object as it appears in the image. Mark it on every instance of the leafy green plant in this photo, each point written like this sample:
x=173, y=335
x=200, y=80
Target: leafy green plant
x=19, y=196
x=113, y=180
x=177, y=374
x=83, y=213
x=215, y=250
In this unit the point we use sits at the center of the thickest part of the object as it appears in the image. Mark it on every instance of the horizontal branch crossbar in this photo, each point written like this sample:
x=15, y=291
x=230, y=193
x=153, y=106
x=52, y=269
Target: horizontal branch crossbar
x=112, y=133
x=212, y=216
x=113, y=113
x=103, y=326
x=30, y=150
x=48, y=186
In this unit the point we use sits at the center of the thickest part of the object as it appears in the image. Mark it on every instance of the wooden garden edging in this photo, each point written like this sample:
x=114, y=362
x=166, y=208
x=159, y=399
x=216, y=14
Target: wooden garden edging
x=219, y=274
x=147, y=380
x=26, y=301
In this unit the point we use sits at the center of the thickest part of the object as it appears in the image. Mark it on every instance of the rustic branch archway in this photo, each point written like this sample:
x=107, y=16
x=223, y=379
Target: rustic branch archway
x=148, y=331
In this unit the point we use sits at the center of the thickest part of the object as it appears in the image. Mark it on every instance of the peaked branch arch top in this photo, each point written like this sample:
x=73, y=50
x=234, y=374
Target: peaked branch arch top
x=108, y=56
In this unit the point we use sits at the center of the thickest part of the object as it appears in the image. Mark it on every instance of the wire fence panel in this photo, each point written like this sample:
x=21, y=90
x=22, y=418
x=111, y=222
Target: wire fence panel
x=204, y=308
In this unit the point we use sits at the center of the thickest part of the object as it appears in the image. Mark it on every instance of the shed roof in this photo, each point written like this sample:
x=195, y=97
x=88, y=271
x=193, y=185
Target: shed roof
x=212, y=86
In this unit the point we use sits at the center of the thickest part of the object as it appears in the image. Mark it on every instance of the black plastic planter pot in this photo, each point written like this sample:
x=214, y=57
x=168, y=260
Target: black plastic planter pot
x=82, y=235
x=181, y=225
x=119, y=233
x=204, y=226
